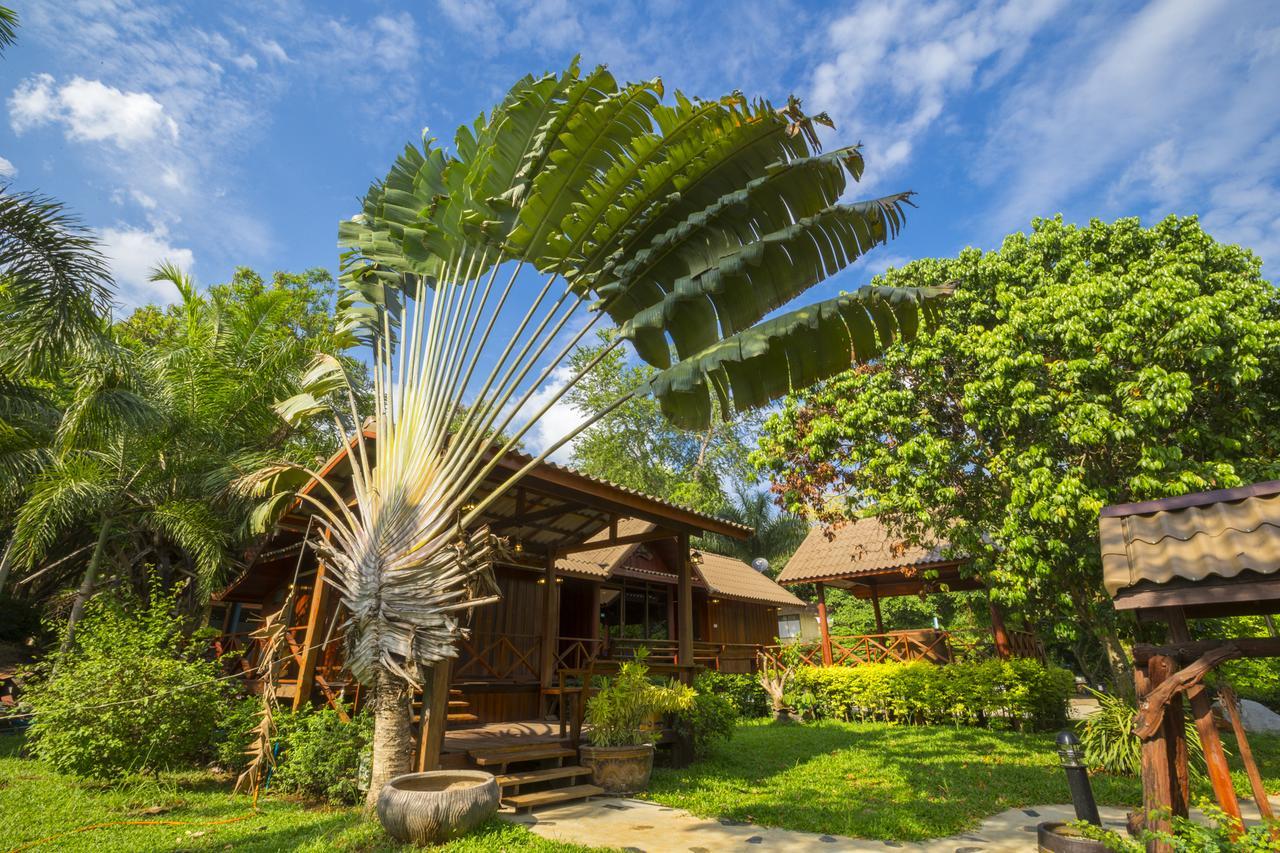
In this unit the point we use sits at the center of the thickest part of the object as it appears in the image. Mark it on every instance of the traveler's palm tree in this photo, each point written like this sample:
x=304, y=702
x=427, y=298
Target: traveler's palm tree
x=473, y=273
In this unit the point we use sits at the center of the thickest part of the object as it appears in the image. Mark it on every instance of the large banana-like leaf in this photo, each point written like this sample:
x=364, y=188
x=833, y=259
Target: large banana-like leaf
x=790, y=352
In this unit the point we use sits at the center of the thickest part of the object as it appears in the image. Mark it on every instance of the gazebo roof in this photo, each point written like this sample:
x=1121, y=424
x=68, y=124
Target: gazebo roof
x=865, y=554
x=1214, y=552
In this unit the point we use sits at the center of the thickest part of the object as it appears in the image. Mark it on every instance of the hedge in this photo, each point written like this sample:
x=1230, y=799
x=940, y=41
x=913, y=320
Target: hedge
x=743, y=690
x=1020, y=691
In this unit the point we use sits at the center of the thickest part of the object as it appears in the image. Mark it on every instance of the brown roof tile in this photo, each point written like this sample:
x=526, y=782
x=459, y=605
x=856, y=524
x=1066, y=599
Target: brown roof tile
x=859, y=547
x=731, y=578
x=1236, y=530
x=600, y=562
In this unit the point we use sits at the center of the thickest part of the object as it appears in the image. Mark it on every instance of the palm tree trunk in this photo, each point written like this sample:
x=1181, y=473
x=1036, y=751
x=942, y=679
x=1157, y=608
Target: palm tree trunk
x=392, y=739
x=86, y=585
x=5, y=562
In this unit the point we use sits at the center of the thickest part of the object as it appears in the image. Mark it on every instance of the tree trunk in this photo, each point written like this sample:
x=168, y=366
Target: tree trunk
x=392, y=740
x=86, y=585
x=4, y=563
x=1117, y=660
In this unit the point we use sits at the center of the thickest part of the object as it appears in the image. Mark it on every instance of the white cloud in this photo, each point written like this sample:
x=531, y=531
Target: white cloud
x=132, y=253
x=7, y=169
x=477, y=18
x=90, y=110
x=898, y=64
x=1168, y=111
x=557, y=422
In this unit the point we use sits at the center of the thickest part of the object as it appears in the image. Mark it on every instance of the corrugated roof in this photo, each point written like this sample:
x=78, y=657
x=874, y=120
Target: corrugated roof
x=859, y=547
x=1194, y=537
x=730, y=578
x=600, y=562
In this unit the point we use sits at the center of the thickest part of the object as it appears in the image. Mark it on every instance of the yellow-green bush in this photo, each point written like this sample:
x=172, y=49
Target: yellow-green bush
x=1020, y=691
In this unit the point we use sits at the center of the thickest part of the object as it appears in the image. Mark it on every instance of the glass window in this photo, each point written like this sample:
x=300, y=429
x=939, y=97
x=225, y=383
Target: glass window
x=658, y=612
x=788, y=627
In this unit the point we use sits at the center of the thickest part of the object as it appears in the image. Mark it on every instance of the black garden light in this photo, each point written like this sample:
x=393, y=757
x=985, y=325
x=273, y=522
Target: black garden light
x=1071, y=757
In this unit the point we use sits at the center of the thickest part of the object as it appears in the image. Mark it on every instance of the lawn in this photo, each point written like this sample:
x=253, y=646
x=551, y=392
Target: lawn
x=898, y=783
x=37, y=803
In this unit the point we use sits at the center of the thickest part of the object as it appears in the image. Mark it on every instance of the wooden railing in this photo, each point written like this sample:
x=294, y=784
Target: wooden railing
x=902, y=646
x=499, y=657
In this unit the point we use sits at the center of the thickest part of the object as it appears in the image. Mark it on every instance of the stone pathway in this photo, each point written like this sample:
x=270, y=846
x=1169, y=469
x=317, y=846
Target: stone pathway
x=641, y=827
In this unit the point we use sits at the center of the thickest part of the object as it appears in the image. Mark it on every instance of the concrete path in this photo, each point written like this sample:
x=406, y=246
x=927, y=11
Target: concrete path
x=635, y=825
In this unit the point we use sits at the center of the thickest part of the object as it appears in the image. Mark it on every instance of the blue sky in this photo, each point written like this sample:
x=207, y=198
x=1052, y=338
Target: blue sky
x=219, y=134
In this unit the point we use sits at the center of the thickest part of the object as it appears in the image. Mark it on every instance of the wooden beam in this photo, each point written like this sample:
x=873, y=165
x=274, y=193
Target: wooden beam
x=434, y=717
x=550, y=624
x=684, y=591
x=528, y=519
x=1187, y=651
x=1261, y=593
x=1231, y=705
x=311, y=639
x=1157, y=784
x=613, y=541
x=999, y=633
x=875, y=605
x=824, y=630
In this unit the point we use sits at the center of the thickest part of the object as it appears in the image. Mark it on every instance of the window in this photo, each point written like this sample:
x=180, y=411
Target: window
x=635, y=611
x=789, y=627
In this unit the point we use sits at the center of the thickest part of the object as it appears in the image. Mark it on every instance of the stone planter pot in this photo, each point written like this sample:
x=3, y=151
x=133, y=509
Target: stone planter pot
x=619, y=769
x=1057, y=837
x=429, y=808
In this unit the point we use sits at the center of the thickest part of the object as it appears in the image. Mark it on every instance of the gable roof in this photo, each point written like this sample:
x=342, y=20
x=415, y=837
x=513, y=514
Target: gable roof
x=1197, y=537
x=602, y=561
x=731, y=578
x=861, y=547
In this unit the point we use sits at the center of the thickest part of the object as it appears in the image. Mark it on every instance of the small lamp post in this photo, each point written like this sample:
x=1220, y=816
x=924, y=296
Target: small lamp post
x=1071, y=757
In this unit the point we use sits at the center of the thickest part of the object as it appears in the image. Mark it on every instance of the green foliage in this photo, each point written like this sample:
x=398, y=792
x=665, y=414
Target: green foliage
x=1075, y=367
x=234, y=732
x=775, y=535
x=743, y=690
x=1189, y=836
x=1110, y=744
x=637, y=447
x=709, y=719
x=321, y=756
x=1021, y=691
x=625, y=710
x=133, y=655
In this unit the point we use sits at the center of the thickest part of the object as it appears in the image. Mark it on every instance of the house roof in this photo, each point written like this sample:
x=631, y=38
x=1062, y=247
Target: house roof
x=731, y=578
x=1197, y=538
x=866, y=558
x=860, y=547
x=602, y=561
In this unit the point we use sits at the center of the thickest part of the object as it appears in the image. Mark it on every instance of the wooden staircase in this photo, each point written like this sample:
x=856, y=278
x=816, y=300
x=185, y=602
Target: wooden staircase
x=535, y=774
x=459, y=710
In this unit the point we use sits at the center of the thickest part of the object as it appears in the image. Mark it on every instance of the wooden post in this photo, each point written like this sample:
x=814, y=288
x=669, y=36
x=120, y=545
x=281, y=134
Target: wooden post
x=823, y=629
x=1215, y=758
x=999, y=634
x=310, y=649
x=875, y=605
x=1157, y=785
x=1231, y=706
x=550, y=626
x=684, y=591
x=434, y=718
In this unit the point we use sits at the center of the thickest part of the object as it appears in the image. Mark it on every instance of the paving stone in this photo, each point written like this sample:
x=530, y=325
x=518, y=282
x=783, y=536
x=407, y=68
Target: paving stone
x=755, y=839
x=1031, y=813
x=827, y=839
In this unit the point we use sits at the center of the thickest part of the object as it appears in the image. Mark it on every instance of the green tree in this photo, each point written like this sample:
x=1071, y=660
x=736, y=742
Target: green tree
x=684, y=224
x=1077, y=367
x=776, y=534
x=636, y=446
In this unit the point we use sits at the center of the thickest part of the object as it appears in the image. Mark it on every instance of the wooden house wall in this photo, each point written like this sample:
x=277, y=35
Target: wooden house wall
x=740, y=623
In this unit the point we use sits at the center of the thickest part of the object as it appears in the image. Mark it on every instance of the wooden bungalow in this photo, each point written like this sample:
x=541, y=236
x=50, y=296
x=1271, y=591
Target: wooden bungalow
x=596, y=571
x=866, y=559
x=1198, y=556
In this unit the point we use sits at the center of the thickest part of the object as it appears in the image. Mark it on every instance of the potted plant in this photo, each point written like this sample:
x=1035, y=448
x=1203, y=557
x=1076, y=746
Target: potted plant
x=623, y=719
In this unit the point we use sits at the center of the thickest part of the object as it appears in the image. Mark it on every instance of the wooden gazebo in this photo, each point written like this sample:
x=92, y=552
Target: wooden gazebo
x=1205, y=555
x=865, y=558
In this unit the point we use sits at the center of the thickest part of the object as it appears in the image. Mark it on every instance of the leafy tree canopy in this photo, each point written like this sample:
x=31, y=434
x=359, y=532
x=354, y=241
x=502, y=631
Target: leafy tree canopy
x=1077, y=367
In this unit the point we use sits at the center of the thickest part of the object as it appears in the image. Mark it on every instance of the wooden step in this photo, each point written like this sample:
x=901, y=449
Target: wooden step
x=463, y=718
x=554, y=795
x=458, y=704
x=523, y=746
x=505, y=757
x=528, y=777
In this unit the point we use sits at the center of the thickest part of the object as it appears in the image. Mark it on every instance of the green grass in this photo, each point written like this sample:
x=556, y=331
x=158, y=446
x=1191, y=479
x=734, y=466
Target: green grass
x=38, y=803
x=900, y=783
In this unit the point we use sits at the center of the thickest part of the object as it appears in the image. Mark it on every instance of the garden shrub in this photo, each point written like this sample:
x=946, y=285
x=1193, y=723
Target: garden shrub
x=1110, y=745
x=321, y=757
x=743, y=690
x=710, y=719
x=125, y=651
x=1020, y=691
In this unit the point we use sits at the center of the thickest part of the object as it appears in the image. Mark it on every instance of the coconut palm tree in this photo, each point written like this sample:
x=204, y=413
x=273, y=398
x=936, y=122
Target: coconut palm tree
x=473, y=273
x=776, y=533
